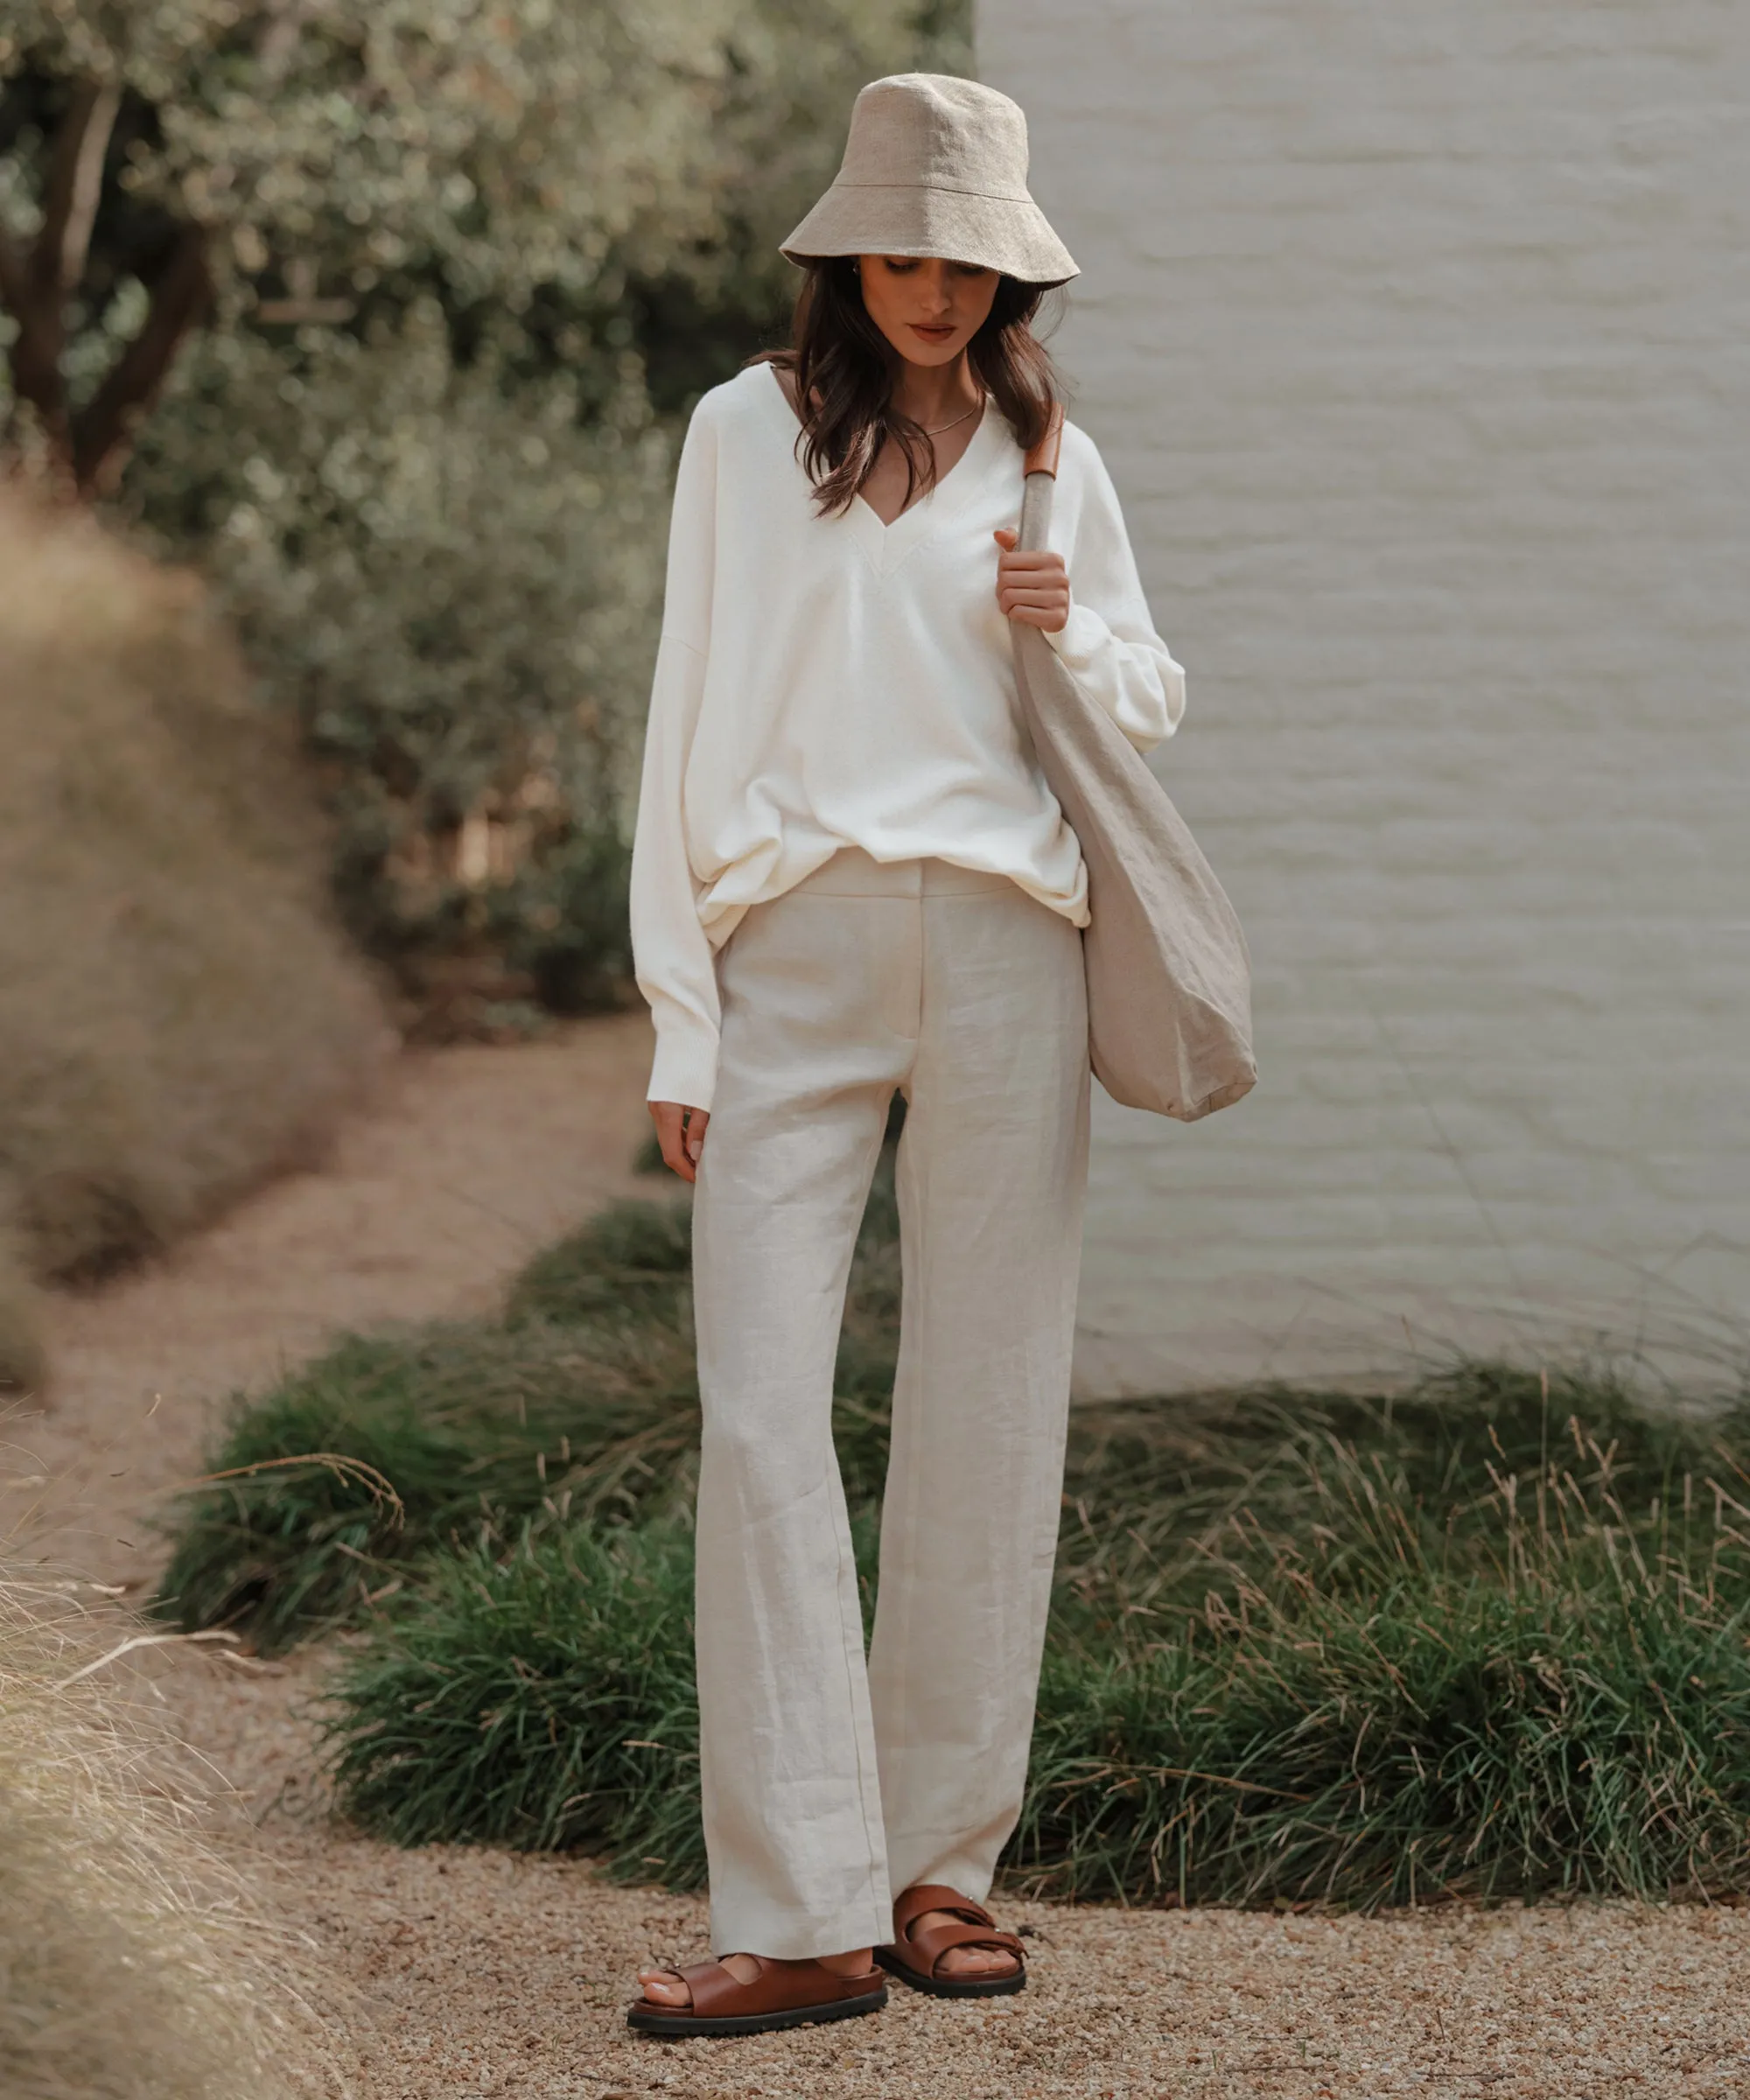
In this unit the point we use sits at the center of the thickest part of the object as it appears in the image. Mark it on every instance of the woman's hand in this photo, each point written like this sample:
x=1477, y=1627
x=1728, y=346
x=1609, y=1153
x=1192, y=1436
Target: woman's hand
x=1032, y=588
x=681, y=1132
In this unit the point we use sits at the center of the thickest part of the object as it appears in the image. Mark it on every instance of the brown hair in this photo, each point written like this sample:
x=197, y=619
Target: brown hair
x=843, y=367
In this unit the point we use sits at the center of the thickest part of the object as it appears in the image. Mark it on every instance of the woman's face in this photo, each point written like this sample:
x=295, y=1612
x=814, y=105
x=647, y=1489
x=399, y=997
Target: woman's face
x=928, y=310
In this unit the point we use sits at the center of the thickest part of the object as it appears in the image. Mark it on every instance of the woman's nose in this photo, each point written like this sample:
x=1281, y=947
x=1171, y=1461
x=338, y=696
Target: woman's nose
x=936, y=294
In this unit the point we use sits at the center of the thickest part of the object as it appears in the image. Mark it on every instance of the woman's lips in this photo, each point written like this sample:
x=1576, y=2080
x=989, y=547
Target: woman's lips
x=932, y=333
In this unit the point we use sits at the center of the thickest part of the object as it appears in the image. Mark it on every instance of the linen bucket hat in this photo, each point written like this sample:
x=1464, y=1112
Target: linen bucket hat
x=935, y=166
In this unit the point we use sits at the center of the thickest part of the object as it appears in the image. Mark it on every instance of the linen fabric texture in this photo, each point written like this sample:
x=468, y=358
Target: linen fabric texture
x=825, y=682
x=1169, y=979
x=830, y=1785
x=935, y=166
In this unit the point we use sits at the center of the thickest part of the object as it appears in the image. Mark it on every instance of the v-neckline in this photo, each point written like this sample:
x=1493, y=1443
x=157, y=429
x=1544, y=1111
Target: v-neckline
x=888, y=545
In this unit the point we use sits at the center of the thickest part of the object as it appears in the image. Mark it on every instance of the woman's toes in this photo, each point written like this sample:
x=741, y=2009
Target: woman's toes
x=663, y=1987
x=975, y=1961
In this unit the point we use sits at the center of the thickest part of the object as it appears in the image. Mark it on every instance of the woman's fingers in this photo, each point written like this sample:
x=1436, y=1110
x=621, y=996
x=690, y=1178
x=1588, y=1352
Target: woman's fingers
x=680, y=1134
x=1036, y=602
x=1032, y=585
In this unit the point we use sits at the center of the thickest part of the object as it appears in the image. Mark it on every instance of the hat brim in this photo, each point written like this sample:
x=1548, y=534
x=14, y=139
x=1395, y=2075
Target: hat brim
x=1006, y=234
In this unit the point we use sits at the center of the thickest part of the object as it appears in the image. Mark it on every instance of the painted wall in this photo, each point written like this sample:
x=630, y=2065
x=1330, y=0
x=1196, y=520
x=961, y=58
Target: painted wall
x=1417, y=337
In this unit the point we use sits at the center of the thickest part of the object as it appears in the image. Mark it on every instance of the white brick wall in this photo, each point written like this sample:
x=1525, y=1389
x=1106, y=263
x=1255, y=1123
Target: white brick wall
x=1417, y=334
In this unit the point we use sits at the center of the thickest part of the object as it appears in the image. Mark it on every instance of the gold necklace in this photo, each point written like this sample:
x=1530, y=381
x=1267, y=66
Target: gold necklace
x=940, y=427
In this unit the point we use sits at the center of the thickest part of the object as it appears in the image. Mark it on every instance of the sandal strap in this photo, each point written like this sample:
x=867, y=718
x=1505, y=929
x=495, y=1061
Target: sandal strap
x=780, y=1987
x=973, y=1927
x=928, y=1944
x=936, y=1895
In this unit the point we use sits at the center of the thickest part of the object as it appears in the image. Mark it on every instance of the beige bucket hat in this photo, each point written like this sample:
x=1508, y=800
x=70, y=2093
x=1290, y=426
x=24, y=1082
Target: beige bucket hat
x=935, y=166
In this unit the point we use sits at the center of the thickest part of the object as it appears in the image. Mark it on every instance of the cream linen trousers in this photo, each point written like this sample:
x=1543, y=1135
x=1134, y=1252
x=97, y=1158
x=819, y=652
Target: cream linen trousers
x=831, y=1784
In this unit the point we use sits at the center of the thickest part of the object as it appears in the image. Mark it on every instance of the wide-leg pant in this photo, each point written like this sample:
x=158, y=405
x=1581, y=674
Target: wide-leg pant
x=828, y=1784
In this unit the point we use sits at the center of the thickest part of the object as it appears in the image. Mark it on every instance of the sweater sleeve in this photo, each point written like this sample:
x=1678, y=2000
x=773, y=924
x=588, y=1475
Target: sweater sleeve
x=671, y=955
x=1109, y=643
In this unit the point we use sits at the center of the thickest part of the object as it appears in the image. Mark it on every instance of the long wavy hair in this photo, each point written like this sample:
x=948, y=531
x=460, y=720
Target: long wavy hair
x=843, y=367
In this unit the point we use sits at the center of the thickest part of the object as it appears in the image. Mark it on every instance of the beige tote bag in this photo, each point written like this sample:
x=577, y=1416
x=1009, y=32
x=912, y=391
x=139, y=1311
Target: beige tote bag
x=1169, y=981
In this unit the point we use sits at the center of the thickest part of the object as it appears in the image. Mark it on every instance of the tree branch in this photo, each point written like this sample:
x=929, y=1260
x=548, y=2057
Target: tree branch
x=36, y=354
x=15, y=280
x=104, y=429
x=75, y=187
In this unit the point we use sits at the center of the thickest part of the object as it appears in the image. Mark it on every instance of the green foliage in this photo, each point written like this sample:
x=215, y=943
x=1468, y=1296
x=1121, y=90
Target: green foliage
x=1487, y=1637
x=477, y=1430
x=471, y=266
x=1563, y=1708
x=1582, y=1728
x=634, y=1256
x=581, y=1403
x=1164, y=1495
x=538, y=1699
x=453, y=583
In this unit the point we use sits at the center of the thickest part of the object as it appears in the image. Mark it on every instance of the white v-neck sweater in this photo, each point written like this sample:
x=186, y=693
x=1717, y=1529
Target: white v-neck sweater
x=824, y=682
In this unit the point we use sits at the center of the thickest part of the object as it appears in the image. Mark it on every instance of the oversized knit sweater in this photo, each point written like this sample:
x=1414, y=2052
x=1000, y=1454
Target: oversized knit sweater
x=824, y=682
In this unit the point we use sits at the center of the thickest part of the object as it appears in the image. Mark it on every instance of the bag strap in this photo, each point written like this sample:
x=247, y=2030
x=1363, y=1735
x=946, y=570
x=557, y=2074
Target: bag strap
x=1044, y=456
x=1040, y=485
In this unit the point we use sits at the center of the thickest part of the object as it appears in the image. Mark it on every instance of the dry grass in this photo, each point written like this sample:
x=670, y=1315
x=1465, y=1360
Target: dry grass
x=178, y=1017
x=21, y=1363
x=133, y=1965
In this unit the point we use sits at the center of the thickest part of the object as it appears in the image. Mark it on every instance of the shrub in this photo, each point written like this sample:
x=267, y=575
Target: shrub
x=452, y=584
x=178, y=1018
x=468, y=267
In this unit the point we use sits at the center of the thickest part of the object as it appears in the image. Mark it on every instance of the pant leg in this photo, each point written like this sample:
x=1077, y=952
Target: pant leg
x=992, y=1178
x=820, y=1013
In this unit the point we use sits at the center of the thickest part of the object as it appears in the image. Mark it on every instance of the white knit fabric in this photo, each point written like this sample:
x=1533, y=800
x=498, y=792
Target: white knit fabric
x=830, y=1785
x=825, y=682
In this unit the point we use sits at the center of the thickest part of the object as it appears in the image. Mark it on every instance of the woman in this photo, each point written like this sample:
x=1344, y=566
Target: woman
x=849, y=879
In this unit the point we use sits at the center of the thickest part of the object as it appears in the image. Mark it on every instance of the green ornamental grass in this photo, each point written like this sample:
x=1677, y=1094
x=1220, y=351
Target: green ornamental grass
x=1566, y=1712
x=1487, y=1636
x=538, y=1699
x=582, y=1401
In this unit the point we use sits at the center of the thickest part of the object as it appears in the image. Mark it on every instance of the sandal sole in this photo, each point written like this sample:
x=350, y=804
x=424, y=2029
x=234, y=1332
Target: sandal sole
x=678, y=2026
x=950, y=1986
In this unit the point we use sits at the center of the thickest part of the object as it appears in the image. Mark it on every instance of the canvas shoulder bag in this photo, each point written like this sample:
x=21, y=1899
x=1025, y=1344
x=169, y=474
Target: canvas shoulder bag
x=1169, y=980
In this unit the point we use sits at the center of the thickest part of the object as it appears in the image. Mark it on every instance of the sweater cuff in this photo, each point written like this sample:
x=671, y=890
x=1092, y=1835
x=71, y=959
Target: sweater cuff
x=684, y=1069
x=1081, y=638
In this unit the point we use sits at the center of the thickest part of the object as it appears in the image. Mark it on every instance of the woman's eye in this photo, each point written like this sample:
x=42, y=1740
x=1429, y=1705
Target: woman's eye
x=901, y=266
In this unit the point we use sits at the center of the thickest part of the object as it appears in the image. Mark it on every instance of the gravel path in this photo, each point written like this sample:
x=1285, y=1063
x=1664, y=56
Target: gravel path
x=469, y=1972
x=468, y=1161
x=482, y=1973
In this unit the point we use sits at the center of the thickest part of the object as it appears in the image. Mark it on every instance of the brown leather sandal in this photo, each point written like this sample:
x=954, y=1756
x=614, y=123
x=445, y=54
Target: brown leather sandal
x=912, y=1956
x=784, y=1994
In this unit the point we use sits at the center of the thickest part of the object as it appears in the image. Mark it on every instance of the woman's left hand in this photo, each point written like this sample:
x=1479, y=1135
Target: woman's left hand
x=1032, y=588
